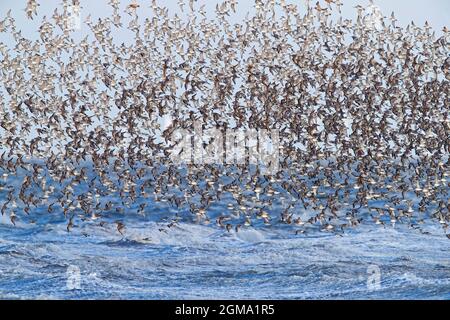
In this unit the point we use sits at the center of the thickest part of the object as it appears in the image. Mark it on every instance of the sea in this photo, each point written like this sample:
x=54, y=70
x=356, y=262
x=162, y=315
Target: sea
x=39, y=259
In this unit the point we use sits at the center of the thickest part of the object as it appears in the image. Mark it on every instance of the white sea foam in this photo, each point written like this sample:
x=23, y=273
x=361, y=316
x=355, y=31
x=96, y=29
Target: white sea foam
x=198, y=261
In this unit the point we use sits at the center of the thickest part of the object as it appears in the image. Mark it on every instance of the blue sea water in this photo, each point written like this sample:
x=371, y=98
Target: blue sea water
x=191, y=261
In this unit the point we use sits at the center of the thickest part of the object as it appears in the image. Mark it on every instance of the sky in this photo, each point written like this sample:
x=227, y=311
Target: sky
x=436, y=12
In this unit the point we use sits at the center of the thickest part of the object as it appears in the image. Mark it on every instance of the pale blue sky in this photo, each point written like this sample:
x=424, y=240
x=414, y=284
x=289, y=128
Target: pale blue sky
x=437, y=12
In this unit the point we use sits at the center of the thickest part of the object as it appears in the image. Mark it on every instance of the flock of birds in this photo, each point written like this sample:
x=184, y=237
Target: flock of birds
x=361, y=107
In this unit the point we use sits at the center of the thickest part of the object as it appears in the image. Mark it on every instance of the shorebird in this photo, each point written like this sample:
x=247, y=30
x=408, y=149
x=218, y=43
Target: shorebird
x=361, y=118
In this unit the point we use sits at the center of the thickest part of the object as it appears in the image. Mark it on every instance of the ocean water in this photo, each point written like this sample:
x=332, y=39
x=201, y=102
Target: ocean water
x=41, y=260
